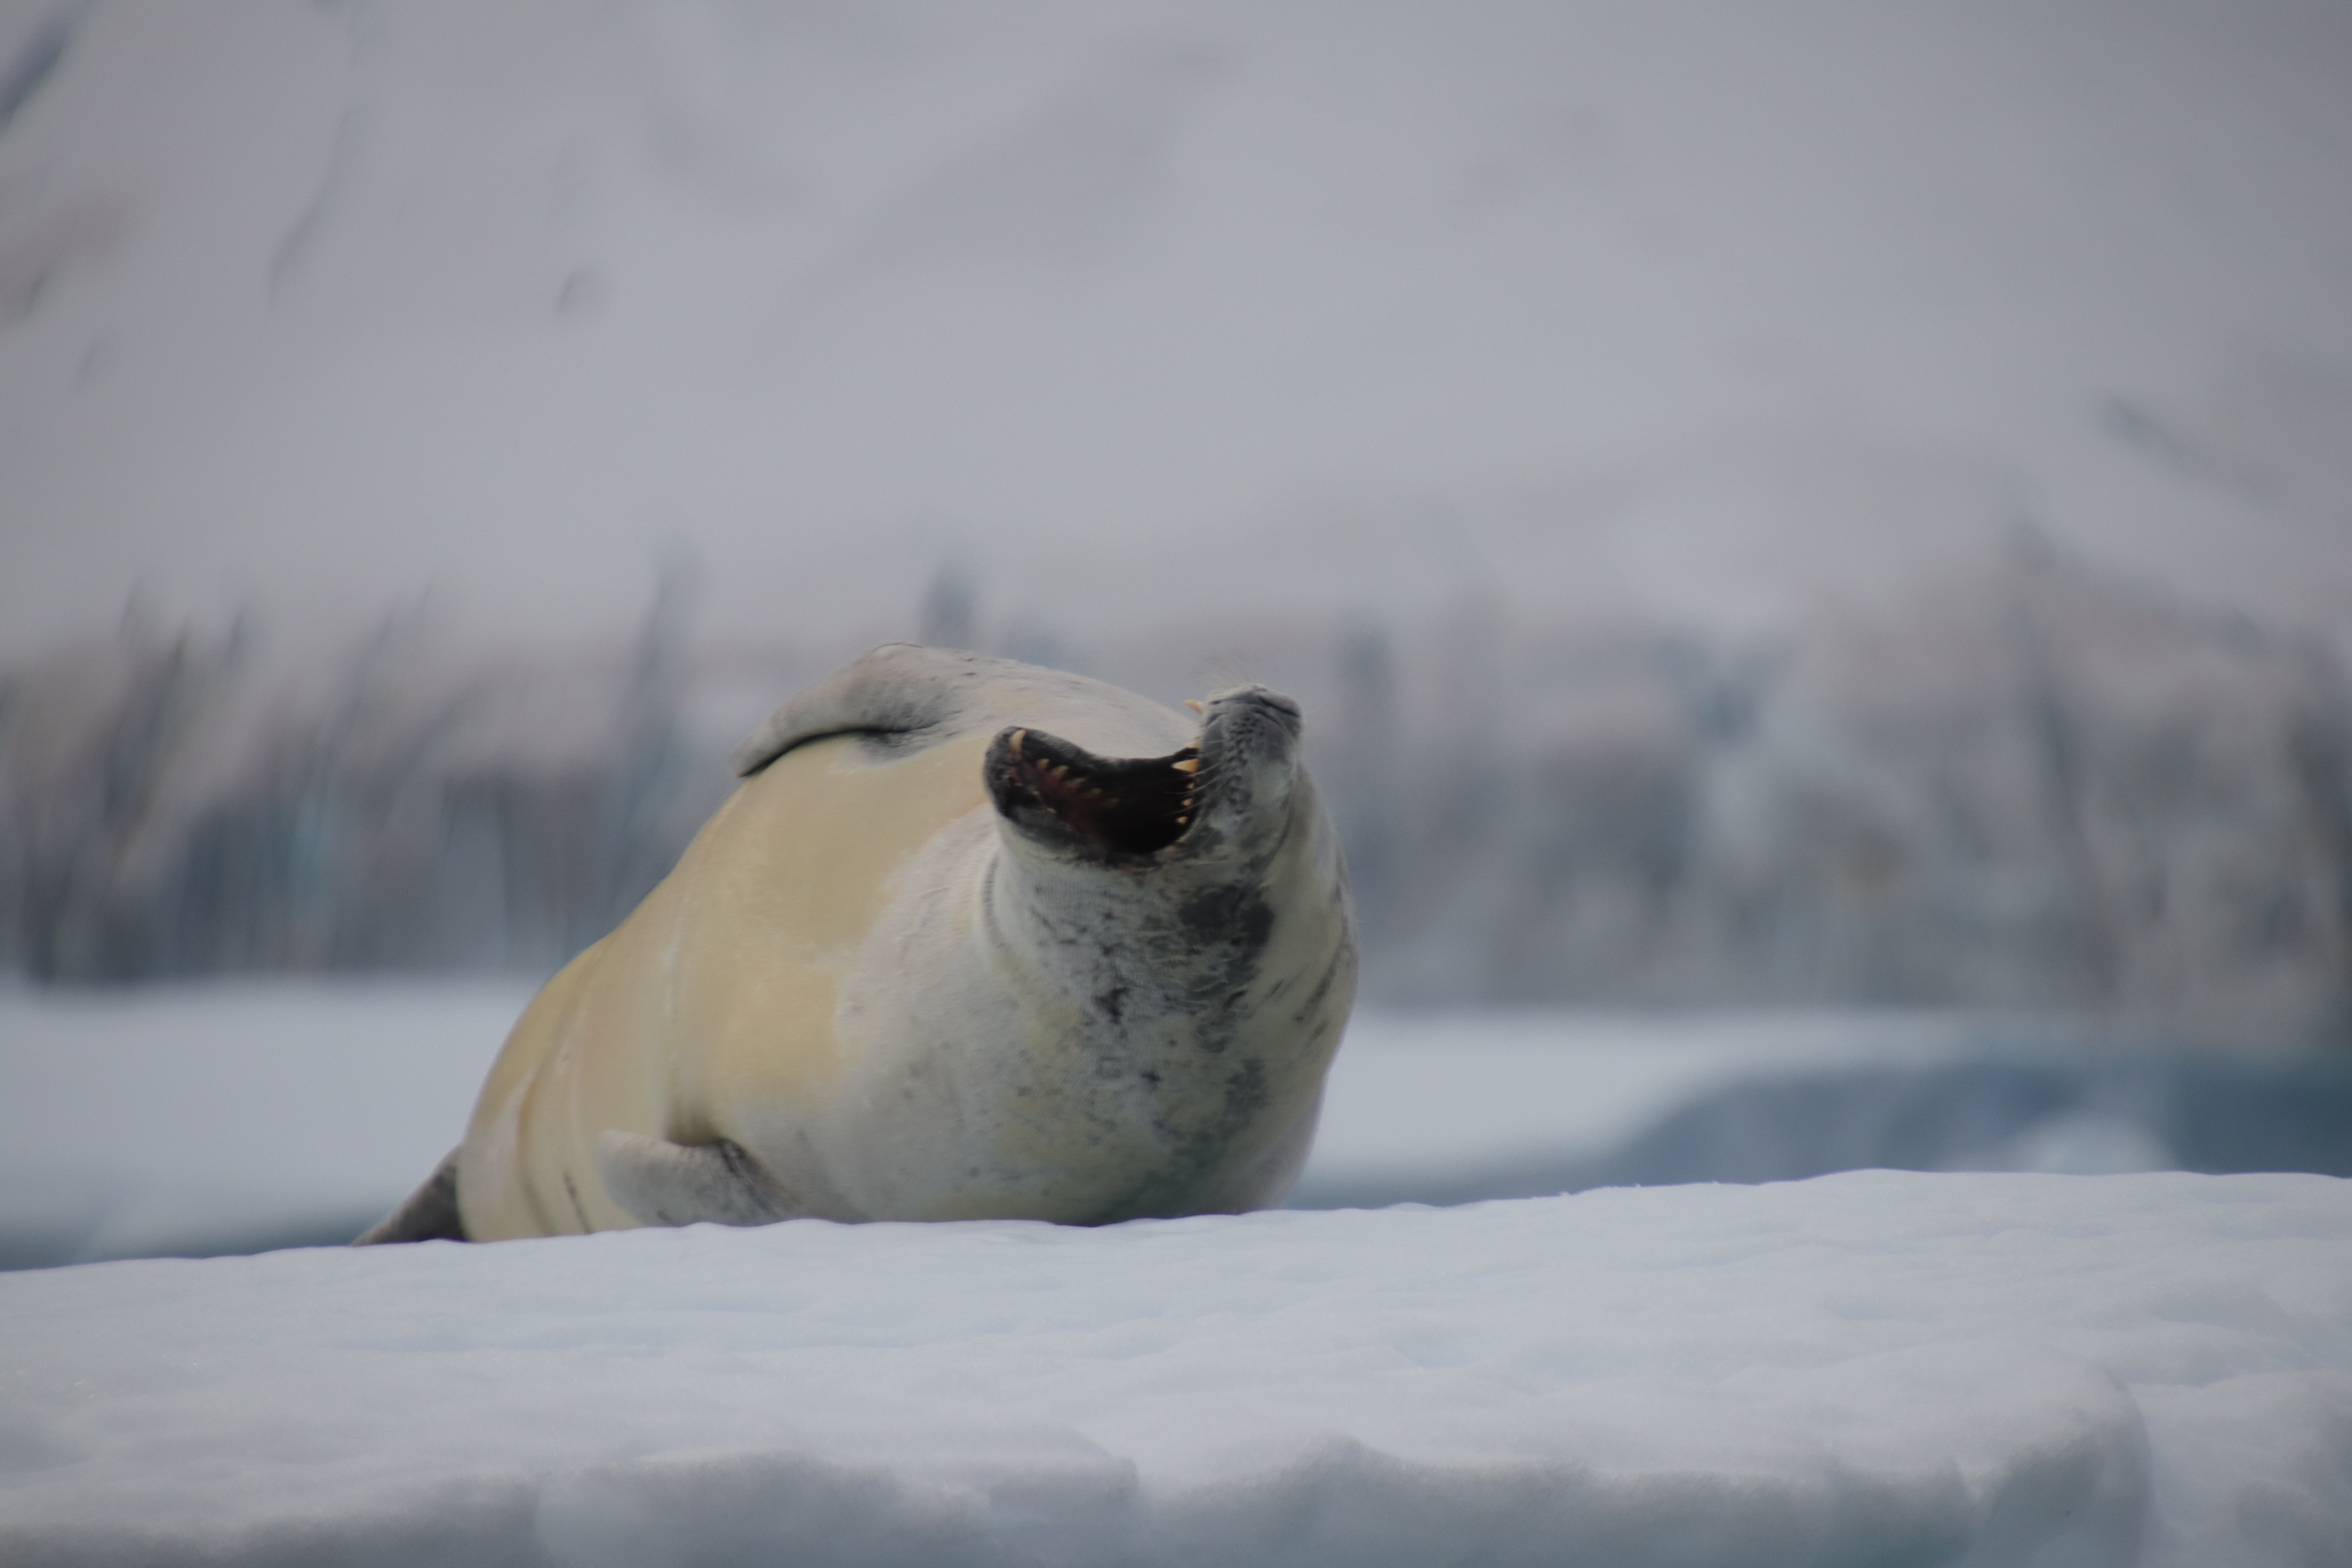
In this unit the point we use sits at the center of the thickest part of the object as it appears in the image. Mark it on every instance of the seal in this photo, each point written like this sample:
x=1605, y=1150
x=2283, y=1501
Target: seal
x=971, y=940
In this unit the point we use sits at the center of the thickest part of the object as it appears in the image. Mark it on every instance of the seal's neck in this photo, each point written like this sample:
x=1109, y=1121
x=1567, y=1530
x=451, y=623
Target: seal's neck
x=1130, y=943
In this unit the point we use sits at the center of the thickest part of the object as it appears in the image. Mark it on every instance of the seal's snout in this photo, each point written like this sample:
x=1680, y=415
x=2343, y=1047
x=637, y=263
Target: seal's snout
x=1250, y=736
x=1272, y=703
x=1058, y=790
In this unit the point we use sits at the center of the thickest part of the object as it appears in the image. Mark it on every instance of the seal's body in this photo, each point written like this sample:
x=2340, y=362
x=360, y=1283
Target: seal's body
x=971, y=940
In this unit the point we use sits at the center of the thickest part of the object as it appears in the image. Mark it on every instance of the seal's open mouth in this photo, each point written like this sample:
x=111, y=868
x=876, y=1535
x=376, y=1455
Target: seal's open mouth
x=1135, y=806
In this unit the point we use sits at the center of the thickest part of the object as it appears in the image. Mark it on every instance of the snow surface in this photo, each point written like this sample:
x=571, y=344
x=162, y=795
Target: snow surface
x=1875, y=1368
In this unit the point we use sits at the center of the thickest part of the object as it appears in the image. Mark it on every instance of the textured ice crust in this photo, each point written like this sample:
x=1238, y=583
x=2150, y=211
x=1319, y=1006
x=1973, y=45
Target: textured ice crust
x=1878, y=1367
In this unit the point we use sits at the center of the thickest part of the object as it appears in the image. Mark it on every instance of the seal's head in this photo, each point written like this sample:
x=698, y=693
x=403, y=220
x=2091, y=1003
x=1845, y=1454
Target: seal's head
x=1224, y=795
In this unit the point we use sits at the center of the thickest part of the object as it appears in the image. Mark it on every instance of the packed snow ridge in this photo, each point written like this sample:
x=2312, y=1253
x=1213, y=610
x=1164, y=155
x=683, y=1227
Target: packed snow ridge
x=1876, y=1367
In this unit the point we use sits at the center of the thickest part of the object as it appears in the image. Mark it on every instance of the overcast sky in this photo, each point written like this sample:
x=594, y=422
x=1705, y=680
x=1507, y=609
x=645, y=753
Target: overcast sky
x=1158, y=313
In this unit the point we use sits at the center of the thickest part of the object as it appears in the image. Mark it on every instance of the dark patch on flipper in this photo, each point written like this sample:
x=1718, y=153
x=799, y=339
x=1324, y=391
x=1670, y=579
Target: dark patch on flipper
x=429, y=1215
x=663, y=1182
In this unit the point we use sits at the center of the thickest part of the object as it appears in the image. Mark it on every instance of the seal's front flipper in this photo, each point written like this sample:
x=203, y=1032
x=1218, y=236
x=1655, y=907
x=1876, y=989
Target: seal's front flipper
x=663, y=1182
x=429, y=1215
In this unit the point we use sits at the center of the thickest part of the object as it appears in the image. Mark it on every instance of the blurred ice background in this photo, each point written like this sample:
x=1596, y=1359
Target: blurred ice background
x=1815, y=540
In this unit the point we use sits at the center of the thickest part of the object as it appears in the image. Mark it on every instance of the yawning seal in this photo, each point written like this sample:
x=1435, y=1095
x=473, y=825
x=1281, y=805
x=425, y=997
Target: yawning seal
x=971, y=940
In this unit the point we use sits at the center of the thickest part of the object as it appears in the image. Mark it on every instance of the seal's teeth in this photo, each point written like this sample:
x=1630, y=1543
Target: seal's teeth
x=1184, y=821
x=1196, y=705
x=1189, y=766
x=1018, y=736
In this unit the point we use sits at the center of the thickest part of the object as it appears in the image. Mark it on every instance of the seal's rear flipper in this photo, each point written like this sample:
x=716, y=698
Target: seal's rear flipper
x=429, y=1215
x=663, y=1182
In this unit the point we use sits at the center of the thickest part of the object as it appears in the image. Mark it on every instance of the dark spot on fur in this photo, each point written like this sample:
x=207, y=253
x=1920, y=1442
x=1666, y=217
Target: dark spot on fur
x=1341, y=956
x=1245, y=1093
x=573, y=1192
x=1195, y=1150
x=1233, y=915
